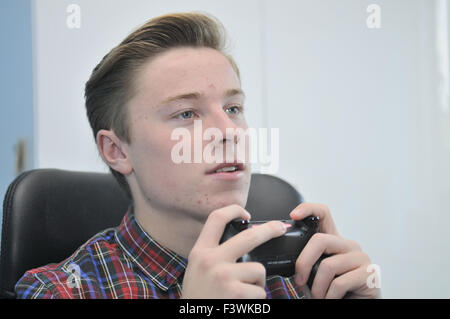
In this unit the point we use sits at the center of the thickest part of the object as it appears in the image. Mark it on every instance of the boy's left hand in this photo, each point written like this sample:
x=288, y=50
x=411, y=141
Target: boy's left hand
x=348, y=261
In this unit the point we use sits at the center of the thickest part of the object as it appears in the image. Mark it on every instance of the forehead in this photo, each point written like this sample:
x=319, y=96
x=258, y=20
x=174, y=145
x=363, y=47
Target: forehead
x=182, y=70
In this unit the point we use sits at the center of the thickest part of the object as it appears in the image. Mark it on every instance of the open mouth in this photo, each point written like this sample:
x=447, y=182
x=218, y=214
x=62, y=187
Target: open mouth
x=227, y=168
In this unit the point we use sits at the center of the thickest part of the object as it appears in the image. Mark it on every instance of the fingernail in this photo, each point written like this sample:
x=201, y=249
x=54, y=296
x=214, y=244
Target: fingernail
x=283, y=227
x=292, y=213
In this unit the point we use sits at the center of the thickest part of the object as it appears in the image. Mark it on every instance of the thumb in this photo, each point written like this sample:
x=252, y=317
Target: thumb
x=326, y=222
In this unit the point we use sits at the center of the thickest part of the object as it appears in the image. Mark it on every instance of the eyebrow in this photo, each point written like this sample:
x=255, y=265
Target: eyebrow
x=233, y=92
x=198, y=95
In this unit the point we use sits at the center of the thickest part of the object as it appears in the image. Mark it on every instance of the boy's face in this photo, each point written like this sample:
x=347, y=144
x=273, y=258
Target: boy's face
x=211, y=89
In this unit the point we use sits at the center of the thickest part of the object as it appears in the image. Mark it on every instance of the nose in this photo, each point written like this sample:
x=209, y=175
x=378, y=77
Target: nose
x=221, y=121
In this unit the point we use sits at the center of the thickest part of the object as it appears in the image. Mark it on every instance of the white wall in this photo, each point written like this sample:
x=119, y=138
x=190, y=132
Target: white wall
x=362, y=132
x=362, y=128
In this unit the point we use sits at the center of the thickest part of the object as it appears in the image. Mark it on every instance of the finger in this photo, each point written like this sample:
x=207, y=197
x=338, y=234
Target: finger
x=346, y=283
x=215, y=225
x=247, y=291
x=336, y=265
x=320, y=244
x=250, y=272
x=326, y=222
x=247, y=240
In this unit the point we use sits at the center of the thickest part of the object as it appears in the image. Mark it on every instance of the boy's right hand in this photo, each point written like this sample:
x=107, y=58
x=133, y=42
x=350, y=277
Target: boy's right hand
x=212, y=271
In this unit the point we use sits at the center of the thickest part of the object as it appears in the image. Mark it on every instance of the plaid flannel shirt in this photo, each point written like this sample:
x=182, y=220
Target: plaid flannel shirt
x=123, y=262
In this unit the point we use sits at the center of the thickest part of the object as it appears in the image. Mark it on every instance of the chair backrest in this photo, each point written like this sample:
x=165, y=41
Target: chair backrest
x=49, y=213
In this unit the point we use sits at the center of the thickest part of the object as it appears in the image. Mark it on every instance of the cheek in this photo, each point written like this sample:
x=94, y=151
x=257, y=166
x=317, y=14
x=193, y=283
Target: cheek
x=155, y=168
x=151, y=154
x=153, y=141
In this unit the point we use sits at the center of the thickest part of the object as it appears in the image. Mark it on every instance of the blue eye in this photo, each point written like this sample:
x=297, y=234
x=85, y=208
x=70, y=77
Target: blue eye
x=235, y=110
x=186, y=115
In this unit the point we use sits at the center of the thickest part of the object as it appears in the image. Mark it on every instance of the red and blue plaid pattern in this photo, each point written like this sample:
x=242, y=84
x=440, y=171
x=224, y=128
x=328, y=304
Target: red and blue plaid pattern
x=122, y=262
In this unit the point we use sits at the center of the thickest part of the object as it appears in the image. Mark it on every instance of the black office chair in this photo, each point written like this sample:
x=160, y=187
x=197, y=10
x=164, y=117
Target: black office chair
x=49, y=213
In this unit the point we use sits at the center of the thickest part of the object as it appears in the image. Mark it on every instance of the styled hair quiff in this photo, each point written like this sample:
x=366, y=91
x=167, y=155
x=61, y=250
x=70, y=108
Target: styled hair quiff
x=110, y=85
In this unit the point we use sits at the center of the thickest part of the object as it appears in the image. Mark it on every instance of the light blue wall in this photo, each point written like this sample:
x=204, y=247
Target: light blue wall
x=16, y=87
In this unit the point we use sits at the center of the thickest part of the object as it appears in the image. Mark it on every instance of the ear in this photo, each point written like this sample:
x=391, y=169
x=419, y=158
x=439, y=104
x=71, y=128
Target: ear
x=113, y=152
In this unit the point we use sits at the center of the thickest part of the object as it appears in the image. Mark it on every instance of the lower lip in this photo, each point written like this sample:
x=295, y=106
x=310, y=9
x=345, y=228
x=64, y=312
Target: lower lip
x=230, y=176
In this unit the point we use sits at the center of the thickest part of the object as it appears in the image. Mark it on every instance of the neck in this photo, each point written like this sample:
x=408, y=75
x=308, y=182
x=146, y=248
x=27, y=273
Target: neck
x=173, y=230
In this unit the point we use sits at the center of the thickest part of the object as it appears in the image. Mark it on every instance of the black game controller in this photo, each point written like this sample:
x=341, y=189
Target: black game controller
x=279, y=254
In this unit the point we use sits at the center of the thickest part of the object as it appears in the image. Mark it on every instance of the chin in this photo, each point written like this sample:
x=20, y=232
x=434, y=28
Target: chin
x=204, y=208
x=223, y=201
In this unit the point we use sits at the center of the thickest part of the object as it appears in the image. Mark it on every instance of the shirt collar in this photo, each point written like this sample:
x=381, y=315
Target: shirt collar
x=161, y=265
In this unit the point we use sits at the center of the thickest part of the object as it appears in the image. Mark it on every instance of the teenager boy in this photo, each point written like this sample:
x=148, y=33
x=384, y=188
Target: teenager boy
x=167, y=74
